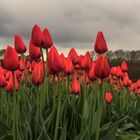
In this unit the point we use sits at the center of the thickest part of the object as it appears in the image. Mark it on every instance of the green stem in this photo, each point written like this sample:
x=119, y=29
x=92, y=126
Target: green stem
x=99, y=110
x=22, y=55
x=15, y=129
x=42, y=60
x=46, y=62
x=58, y=114
x=109, y=112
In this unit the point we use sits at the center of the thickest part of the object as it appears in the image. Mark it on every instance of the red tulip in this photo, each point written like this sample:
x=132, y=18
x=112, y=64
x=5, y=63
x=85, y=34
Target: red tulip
x=63, y=59
x=138, y=83
x=18, y=74
x=74, y=56
x=69, y=68
x=2, y=78
x=75, y=88
x=124, y=66
x=19, y=44
x=108, y=97
x=102, y=69
x=80, y=59
x=34, y=52
x=54, y=61
x=100, y=44
x=118, y=72
x=36, y=36
x=11, y=59
x=28, y=65
x=47, y=39
x=91, y=74
x=86, y=62
x=126, y=81
x=138, y=91
x=10, y=86
x=8, y=75
x=33, y=65
x=38, y=74
x=113, y=70
x=132, y=87
x=21, y=64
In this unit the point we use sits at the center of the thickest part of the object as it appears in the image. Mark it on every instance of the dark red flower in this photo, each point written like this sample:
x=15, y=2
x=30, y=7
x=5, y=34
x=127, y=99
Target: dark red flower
x=54, y=61
x=69, y=68
x=10, y=86
x=19, y=44
x=47, y=39
x=36, y=36
x=102, y=69
x=100, y=44
x=2, y=78
x=74, y=56
x=91, y=73
x=63, y=59
x=75, y=88
x=38, y=74
x=21, y=64
x=11, y=62
x=86, y=62
x=34, y=51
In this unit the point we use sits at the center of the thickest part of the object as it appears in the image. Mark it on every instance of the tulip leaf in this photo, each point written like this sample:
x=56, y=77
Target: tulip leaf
x=4, y=130
x=64, y=132
x=111, y=134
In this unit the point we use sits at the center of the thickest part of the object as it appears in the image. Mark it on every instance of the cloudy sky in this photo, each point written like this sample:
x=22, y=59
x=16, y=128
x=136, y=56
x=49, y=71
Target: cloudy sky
x=73, y=23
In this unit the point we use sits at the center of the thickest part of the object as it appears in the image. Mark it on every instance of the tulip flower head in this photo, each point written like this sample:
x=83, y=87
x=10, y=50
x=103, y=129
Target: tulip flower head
x=11, y=62
x=108, y=97
x=75, y=88
x=102, y=69
x=100, y=44
x=19, y=44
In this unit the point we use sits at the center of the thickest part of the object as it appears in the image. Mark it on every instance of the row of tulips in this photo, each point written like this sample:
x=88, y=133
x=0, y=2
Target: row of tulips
x=71, y=97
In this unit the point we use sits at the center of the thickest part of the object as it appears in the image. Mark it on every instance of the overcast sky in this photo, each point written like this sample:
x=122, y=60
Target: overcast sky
x=73, y=23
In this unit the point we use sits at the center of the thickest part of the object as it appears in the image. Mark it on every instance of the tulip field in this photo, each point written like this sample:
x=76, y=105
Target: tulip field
x=49, y=96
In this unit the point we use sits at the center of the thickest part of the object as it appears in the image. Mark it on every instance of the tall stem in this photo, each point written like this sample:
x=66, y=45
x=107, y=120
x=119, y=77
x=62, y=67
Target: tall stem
x=42, y=60
x=22, y=55
x=58, y=114
x=99, y=110
x=43, y=94
x=14, y=109
x=46, y=62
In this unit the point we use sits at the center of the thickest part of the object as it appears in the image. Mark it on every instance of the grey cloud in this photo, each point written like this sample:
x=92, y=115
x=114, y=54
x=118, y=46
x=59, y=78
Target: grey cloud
x=75, y=22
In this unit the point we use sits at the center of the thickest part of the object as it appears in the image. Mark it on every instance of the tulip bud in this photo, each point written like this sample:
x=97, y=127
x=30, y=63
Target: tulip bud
x=47, y=39
x=38, y=74
x=74, y=56
x=54, y=61
x=10, y=86
x=69, y=68
x=102, y=69
x=86, y=62
x=91, y=74
x=100, y=44
x=34, y=52
x=19, y=45
x=124, y=66
x=11, y=62
x=2, y=78
x=75, y=88
x=108, y=97
x=36, y=36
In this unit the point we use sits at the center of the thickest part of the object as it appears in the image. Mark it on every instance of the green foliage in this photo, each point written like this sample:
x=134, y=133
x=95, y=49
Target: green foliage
x=78, y=113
